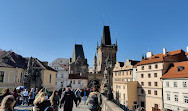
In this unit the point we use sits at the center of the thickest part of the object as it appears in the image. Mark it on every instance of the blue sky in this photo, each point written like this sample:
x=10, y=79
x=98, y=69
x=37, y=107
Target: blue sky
x=48, y=29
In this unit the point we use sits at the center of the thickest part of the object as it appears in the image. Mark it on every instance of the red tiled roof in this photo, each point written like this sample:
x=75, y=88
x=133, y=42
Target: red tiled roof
x=158, y=57
x=65, y=66
x=174, y=73
x=76, y=76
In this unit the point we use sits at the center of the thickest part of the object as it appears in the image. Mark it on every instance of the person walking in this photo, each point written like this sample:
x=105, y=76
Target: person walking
x=25, y=96
x=94, y=100
x=41, y=103
x=7, y=103
x=31, y=96
x=54, y=99
x=78, y=96
x=15, y=94
x=84, y=94
x=60, y=92
x=67, y=99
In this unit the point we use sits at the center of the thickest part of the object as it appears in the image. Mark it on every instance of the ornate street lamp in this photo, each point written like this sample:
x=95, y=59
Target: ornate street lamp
x=109, y=68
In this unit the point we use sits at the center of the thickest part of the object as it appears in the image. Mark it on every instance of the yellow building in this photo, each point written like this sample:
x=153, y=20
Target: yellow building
x=11, y=77
x=13, y=70
x=49, y=79
x=124, y=86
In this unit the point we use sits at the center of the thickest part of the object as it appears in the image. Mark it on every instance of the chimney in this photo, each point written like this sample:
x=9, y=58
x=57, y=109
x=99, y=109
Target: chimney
x=148, y=54
x=164, y=51
x=45, y=63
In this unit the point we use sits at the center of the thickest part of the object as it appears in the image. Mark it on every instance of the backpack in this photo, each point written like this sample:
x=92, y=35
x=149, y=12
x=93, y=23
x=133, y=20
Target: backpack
x=68, y=97
x=93, y=103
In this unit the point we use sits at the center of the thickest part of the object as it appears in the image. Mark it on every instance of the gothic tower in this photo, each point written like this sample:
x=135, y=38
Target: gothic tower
x=106, y=49
x=78, y=62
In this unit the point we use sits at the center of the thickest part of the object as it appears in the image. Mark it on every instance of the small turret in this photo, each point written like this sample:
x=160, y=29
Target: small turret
x=142, y=57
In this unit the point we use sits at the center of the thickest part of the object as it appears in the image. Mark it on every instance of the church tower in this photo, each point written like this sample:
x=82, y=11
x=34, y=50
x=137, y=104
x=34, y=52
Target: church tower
x=106, y=49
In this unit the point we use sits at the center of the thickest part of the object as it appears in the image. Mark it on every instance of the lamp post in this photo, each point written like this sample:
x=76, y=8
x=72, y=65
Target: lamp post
x=108, y=68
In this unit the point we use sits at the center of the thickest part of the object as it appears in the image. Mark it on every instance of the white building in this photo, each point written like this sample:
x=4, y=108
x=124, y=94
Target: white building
x=175, y=87
x=77, y=81
x=149, y=72
x=61, y=65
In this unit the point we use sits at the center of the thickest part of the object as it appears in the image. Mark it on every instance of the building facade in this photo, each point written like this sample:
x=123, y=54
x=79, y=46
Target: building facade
x=14, y=70
x=78, y=81
x=61, y=65
x=124, y=85
x=78, y=62
x=149, y=72
x=175, y=87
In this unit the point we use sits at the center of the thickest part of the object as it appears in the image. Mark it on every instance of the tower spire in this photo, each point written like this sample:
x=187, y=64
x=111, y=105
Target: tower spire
x=106, y=38
x=97, y=45
x=116, y=41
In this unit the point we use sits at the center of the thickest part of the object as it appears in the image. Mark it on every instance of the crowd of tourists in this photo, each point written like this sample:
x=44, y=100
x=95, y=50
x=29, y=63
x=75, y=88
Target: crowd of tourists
x=43, y=100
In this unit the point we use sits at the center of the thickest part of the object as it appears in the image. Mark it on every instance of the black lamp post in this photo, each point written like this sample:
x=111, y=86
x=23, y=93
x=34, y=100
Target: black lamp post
x=109, y=68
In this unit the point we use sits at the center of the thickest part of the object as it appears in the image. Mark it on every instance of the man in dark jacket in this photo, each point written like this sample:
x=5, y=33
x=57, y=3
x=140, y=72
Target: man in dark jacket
x=67, y=99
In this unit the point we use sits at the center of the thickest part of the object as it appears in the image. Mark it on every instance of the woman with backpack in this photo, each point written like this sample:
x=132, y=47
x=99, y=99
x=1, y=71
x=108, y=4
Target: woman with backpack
x=42, y=103
x=54, y=99
x=94, y=100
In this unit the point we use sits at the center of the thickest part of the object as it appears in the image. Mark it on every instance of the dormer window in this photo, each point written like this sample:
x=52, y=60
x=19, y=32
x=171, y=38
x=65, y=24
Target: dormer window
x=180, y=68
x=5, y=60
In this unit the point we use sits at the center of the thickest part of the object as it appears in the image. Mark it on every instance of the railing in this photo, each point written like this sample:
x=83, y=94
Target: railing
x=108, y=105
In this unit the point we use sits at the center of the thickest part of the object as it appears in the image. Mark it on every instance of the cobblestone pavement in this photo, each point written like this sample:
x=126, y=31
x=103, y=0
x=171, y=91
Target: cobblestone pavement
x=81, y=107
x=23, y=108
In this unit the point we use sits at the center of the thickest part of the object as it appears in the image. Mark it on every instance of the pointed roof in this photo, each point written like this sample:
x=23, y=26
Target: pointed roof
x=78, y=52
x=106, y=39
x=11, y=59
x=95, y=57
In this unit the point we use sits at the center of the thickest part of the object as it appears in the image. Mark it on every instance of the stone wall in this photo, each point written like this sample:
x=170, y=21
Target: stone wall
x=109, y=105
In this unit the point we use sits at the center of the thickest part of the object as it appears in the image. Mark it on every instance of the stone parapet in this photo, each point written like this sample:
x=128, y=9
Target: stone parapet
x=109, y=105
